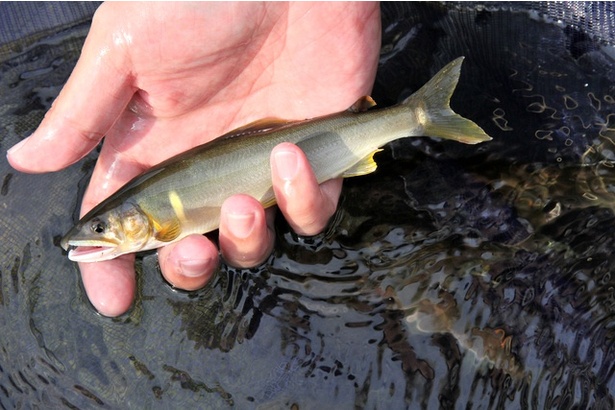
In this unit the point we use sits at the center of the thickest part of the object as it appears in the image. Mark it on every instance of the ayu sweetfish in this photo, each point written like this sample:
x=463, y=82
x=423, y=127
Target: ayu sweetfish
x=183, y=195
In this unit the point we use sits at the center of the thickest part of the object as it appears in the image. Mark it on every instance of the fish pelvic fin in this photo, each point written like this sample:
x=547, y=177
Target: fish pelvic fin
x=431, y=104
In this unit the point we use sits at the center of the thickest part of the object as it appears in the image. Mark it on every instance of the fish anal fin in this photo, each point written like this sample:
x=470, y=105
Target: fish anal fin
x=366, y=166
x=362, y=104
x=167, y=231
x=259, y=126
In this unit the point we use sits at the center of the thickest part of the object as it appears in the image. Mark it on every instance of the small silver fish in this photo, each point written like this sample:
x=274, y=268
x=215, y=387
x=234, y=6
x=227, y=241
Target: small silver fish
x=183, y=195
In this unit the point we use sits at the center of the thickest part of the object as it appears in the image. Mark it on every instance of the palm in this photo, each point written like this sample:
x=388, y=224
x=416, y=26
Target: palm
x=191, y=91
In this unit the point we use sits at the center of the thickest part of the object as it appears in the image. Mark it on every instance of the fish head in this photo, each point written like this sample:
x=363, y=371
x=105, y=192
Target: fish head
x=104, y=235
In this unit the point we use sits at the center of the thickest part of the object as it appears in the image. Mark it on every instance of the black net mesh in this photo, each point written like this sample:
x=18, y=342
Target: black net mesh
x=453, y=277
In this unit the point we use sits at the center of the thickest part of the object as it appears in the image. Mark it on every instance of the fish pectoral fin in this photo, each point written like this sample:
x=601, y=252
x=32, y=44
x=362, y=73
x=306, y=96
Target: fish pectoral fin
x=167, y=231
x=366, y=166
x=362, y=104
x=258, y=126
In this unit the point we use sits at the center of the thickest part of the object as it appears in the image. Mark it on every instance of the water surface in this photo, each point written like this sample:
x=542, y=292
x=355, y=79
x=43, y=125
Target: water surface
x=453, y=277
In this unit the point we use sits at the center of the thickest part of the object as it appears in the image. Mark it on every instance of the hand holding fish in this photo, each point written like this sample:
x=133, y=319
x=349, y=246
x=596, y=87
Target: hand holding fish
x=158, y=79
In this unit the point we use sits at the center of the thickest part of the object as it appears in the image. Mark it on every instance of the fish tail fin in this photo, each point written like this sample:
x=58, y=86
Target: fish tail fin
x=432, y=107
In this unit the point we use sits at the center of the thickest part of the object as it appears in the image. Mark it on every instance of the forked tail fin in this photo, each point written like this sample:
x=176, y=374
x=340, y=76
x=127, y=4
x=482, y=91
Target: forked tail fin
x=432, y=107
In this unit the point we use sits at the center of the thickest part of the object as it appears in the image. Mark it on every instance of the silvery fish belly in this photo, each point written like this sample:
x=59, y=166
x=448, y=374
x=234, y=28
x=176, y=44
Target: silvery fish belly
x=183, y=195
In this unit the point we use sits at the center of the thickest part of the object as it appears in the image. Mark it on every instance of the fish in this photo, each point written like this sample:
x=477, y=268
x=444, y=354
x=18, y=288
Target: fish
x=183, y=195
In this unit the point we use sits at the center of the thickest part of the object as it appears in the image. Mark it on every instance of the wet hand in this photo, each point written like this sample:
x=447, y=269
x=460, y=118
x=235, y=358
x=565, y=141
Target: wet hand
x=158, y=79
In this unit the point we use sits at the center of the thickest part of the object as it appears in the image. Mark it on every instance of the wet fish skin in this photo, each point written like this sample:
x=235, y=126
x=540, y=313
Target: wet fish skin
x=183, y=194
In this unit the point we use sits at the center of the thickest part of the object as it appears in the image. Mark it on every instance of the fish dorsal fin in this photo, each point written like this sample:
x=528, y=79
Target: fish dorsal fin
x=366, y=166
x=362, y=104
x=168, y=230
x=258, y=126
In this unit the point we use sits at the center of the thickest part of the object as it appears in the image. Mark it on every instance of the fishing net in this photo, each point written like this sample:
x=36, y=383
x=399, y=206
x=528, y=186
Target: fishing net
x=454, y=276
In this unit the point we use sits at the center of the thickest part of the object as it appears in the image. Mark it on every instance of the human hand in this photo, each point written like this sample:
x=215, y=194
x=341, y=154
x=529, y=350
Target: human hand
x=157, y=79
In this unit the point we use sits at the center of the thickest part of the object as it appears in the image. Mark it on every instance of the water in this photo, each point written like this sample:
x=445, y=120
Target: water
x=453, y=277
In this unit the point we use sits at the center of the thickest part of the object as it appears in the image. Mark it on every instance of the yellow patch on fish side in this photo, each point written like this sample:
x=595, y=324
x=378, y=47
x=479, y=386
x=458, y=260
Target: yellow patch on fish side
x=177, y=205
x=169, y=230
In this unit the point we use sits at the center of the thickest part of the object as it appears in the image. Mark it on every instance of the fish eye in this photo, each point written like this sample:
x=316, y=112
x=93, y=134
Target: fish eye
x=98, y=226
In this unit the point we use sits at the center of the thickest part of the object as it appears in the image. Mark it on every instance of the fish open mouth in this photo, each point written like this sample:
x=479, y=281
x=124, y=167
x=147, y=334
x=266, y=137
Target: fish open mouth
x=91, y=253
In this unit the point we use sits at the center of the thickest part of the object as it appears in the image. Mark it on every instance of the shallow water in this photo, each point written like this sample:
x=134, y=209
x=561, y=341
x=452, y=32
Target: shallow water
x=453, y=277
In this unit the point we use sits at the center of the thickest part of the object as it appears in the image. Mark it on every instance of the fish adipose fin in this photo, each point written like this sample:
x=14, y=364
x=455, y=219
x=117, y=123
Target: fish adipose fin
x=433, y=111
x=366, y=166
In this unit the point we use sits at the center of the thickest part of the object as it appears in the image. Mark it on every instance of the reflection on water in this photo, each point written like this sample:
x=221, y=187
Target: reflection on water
x=453, y=277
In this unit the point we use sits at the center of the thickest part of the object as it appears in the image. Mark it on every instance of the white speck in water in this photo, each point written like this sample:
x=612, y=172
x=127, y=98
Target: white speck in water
x=472, y=242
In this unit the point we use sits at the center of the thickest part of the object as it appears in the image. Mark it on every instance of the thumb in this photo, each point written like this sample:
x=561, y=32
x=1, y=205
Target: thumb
x=95, y=94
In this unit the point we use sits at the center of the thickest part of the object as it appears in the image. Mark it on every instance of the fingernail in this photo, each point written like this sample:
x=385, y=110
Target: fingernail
x=287, y=164
x=16, y=147
x=193, y=267
x=240, y=225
